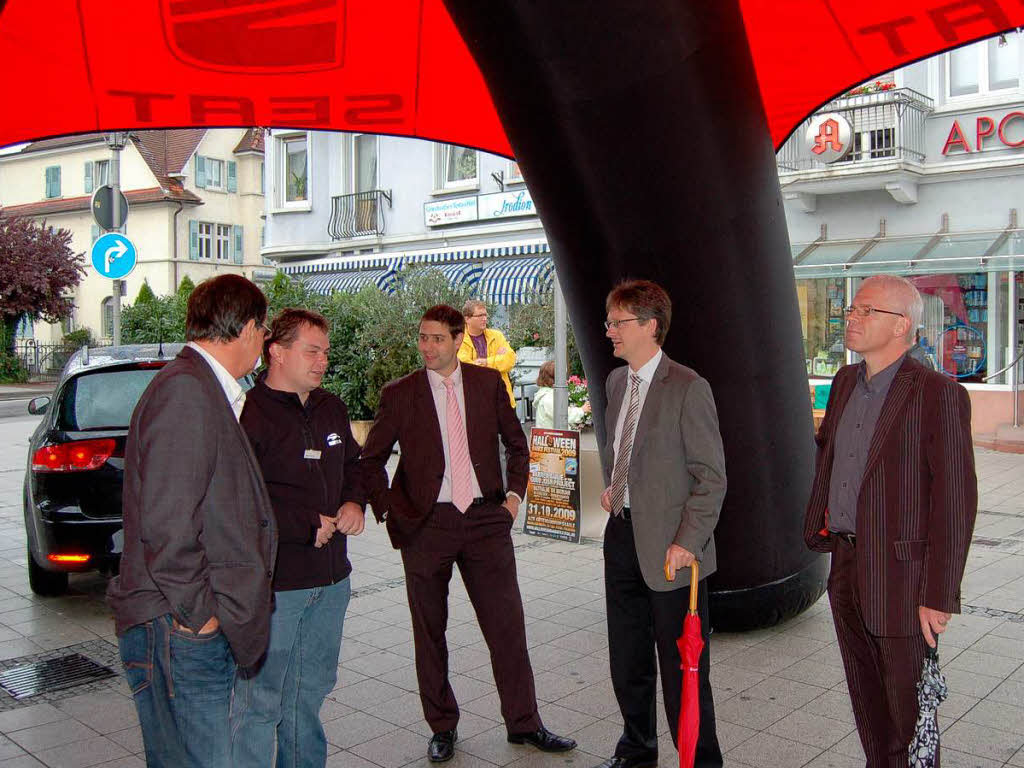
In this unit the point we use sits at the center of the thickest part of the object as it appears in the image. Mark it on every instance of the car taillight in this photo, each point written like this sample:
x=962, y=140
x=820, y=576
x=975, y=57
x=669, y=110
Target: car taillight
x=68, y=558
x=73, y=457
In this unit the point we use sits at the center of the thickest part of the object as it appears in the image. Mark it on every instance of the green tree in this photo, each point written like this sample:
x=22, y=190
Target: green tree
x=532, y=324
x=283, y=291
x=389, y=332
x=348, y=359
x=152, y=319
x=146, y=295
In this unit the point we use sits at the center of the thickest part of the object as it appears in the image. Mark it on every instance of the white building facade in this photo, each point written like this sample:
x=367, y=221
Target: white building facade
x=195, y=201
x=344, y=210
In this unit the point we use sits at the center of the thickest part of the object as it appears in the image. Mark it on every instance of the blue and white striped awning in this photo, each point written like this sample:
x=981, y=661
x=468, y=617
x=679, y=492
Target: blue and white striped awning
x=464, y=275
x=352, y=282
x=512, y=281
x=476, y=253
x=397, y=260
x=391, y=261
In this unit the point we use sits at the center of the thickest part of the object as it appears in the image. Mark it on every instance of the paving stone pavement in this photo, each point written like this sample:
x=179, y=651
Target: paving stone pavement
x=780, y=693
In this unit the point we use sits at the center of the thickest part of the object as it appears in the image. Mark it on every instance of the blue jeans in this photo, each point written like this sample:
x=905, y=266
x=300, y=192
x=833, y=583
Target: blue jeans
x=181, y=684
x=283, y=697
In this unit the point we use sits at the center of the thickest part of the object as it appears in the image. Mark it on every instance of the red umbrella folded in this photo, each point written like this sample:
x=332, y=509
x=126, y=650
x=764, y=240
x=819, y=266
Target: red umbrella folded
x=691, y=645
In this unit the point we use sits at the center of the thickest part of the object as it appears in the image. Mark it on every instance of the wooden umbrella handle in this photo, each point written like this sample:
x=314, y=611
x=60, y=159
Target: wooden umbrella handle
x=693, y=586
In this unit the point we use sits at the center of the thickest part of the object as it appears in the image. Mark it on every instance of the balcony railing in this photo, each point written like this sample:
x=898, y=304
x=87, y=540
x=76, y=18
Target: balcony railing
x=887, y=126
x=358, y=214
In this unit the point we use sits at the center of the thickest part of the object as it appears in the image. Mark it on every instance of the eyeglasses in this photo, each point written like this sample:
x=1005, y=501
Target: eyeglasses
x=482, y=314
x=266, y=329
x=867, y=309
x=616, y=323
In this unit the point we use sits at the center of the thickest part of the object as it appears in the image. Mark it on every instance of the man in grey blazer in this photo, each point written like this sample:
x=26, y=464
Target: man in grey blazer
x=194, y=594
x=665, y=475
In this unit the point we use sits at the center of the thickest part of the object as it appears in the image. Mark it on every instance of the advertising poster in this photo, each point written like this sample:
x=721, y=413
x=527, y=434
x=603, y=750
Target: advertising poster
x=553, y=493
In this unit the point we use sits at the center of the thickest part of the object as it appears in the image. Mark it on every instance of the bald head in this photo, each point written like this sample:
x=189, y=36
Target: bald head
x=902, y=294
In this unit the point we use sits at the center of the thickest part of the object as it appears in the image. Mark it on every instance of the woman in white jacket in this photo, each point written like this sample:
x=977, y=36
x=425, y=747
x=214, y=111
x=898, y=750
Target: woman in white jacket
x=544, y=401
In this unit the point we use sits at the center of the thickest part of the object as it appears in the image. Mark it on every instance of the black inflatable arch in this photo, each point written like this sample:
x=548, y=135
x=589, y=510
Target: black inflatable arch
x=641, y=132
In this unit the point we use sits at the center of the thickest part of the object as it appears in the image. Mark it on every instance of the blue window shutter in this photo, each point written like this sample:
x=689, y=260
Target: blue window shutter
x=88, y=177
x=238, y=254
x=53, y=181
x=95, y=232
x=193, y=240
x=232, y=176
x=200, y=172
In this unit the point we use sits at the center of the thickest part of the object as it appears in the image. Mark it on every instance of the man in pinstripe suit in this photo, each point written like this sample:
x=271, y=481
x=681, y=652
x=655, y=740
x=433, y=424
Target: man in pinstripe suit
x=894, y=500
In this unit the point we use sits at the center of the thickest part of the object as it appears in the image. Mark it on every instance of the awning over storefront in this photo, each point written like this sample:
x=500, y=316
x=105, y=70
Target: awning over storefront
x=511, y=281
x=464, y=275
x=320, y=266
x=352, y=282
x=440, y=255
x=992, y=251
x=399, y=259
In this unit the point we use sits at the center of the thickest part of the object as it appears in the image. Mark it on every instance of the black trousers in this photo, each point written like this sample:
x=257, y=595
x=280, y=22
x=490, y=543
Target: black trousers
x=641, y=621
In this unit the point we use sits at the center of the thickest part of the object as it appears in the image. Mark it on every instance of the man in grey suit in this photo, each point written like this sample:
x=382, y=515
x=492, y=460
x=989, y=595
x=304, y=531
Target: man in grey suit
x=194, y=594
x=665, y=471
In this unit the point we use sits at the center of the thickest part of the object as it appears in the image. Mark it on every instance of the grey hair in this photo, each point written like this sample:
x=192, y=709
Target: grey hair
x=906, y=293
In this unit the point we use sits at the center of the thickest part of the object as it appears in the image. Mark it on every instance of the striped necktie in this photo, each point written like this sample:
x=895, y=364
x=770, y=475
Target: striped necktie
x=458, y=451
x=621, y=471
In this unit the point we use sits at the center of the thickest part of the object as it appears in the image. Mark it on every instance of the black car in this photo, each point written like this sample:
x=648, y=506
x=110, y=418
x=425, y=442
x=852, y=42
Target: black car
x=76, y=462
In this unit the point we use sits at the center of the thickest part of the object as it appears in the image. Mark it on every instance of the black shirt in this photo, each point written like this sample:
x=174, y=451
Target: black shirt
x=286, y=435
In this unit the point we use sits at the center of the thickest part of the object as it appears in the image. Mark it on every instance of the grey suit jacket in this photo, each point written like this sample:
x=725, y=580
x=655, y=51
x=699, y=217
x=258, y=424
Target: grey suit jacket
x=200, y=537
x=676, y=472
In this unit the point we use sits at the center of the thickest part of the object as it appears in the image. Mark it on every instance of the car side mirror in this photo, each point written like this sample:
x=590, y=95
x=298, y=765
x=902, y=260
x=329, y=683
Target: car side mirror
x=38, y=405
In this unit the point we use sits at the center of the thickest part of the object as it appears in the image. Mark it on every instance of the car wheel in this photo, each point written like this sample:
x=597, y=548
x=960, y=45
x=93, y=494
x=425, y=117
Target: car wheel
x=43, y=582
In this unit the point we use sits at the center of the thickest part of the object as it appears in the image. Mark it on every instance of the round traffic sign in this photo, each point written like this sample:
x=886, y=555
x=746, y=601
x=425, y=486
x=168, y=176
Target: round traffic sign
x=103, y=207
x=114, y=255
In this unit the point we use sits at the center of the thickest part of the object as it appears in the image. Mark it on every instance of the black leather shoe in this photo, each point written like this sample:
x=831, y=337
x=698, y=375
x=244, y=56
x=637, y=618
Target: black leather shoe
x=442, y=746
x=543, y=739
x=629, y=762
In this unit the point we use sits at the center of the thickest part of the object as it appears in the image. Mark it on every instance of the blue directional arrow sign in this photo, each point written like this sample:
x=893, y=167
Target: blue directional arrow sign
x=114, y=255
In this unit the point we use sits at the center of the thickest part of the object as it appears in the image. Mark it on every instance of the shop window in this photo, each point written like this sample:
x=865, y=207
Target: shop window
x=823, y=324
x=985, y=67
x=955, y=326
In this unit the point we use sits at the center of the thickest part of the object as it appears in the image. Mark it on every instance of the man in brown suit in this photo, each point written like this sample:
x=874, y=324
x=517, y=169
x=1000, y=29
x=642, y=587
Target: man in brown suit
x=894, y=500
x=448, y=505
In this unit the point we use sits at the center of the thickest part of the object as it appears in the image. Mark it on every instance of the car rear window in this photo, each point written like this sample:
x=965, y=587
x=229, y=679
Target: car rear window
x=103, y=399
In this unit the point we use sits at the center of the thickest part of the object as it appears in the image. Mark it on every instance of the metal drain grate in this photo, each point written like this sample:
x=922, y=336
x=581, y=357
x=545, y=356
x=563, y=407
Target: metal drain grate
x=52, y=675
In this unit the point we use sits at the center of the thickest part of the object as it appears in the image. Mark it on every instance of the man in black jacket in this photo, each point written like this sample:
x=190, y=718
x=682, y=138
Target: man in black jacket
x=301, y=437
x=193, y=596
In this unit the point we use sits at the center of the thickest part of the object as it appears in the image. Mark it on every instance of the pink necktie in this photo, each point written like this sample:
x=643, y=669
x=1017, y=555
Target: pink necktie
x=458, y=452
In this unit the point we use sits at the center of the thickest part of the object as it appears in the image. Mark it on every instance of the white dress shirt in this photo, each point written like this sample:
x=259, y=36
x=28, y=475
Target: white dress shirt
x=646, y=374
x=232, y=389
x=440, y=393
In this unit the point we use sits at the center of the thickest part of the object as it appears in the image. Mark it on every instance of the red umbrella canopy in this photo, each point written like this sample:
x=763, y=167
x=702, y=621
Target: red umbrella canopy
x=397, y=67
